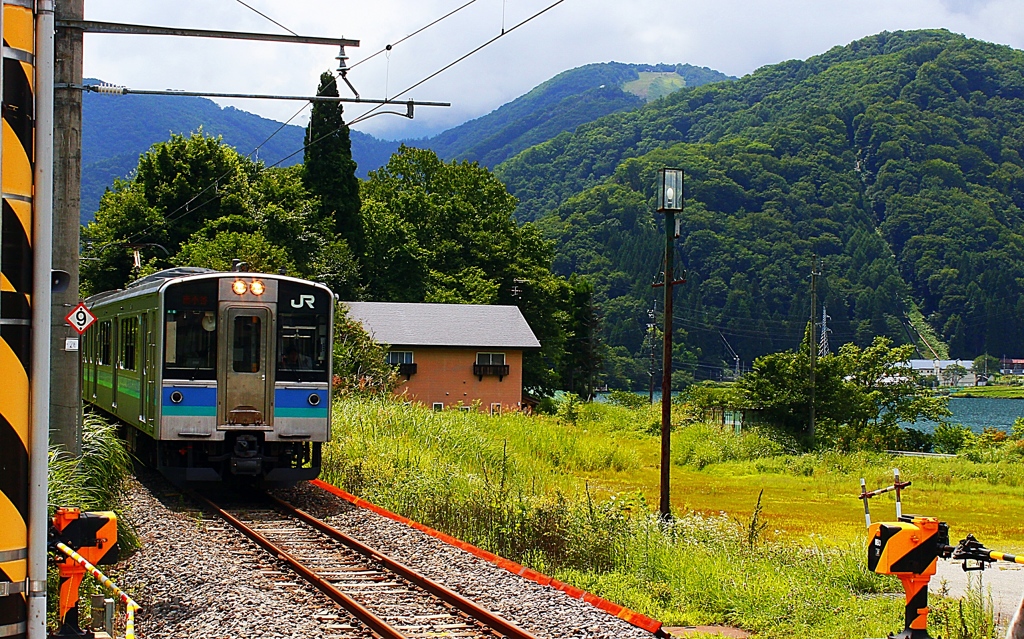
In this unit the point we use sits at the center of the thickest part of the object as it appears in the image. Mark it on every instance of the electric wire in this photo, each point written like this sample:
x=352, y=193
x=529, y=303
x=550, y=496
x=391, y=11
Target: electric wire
x=416, y=32
x=251, y=8
x=460, y=59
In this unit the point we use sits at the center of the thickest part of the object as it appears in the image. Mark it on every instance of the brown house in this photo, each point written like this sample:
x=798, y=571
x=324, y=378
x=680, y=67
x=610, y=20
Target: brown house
x=452, y=354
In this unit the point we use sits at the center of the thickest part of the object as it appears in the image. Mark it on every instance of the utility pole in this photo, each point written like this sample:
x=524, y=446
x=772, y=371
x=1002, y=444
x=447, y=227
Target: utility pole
x=65, y=377
x=813, y=342
x=651, y=314
x=670, y=201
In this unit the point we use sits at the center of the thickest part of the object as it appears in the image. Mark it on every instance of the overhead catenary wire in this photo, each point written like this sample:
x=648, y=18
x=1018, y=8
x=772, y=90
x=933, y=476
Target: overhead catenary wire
x=257, y=11
x=461, y=58
x=416, y=32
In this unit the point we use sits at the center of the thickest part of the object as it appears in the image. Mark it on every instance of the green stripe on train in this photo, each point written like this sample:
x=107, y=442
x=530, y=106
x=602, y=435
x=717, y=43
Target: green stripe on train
x=301, y=412
x=190, y=411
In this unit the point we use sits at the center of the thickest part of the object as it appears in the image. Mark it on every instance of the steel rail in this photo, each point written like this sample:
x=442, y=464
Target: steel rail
x=450, y=597
x=375, y=623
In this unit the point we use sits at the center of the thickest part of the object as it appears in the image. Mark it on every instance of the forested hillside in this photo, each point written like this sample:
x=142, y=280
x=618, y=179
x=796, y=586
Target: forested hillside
x=118, y=129
x=561, y=104
x=895, y=159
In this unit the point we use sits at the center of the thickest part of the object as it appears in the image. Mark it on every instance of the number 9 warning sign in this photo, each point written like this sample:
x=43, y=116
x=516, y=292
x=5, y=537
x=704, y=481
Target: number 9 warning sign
x=80, y=318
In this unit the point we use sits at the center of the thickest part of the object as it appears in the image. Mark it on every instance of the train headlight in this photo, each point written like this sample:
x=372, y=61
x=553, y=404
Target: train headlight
x=239, y=287
x=257, y=287
x=314, y=399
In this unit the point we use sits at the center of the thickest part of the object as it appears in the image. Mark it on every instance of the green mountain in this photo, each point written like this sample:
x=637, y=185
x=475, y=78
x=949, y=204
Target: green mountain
x=895, y=159
x=117, y=129
x=561, y=104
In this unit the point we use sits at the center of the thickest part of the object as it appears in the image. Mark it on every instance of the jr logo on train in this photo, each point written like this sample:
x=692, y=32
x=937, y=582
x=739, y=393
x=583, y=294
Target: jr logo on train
x=215, y=375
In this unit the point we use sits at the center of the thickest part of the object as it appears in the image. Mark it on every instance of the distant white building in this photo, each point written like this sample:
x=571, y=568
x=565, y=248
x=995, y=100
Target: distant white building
x=936, y=367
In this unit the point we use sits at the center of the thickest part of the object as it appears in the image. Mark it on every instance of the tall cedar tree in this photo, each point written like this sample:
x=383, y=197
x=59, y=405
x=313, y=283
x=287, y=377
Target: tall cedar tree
x=329, y=170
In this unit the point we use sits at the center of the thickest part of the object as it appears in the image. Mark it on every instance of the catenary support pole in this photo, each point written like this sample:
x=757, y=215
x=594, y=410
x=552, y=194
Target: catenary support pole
x=666, y=374
x=65, y=401
x=812, y=344
x=43, y=242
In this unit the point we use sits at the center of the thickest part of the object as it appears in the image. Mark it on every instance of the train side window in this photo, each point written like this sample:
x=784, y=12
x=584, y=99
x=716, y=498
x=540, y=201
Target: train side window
x=246, y=347
x=103, y=336
x=129, y=338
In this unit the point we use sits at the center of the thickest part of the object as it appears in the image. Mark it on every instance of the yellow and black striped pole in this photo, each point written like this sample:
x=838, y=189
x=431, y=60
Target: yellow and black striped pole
x=16, y=281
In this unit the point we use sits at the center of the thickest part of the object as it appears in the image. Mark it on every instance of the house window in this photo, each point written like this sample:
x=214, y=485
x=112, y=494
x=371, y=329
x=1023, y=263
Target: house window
x=438, y=406
x=128, y=337
x=399, y=357
x=490, y=364
x=465, y=409
x=490, y=359
x=495, y=409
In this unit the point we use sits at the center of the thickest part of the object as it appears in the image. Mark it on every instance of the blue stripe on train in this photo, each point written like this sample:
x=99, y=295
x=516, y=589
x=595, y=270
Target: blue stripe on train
x=195, y=402
x=290, y=402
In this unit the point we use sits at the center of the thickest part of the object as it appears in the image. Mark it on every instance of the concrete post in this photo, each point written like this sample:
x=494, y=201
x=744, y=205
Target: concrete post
x=65, y=396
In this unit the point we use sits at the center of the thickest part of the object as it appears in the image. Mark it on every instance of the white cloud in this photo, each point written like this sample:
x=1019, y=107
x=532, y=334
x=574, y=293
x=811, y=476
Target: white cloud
x=733, y=36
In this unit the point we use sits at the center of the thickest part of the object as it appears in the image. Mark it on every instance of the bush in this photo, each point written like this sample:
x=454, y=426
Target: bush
x=951, y=438
x=627, y=399
x=912, y=439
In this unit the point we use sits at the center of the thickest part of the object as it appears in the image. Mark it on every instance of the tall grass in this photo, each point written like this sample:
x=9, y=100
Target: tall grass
x=516, y=486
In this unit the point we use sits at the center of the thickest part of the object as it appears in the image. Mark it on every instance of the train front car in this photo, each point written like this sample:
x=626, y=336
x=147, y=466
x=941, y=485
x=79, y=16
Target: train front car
x=246, y=378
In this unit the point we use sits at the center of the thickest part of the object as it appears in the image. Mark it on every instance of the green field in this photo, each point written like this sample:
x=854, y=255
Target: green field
x=573, y=497
x=994, y=391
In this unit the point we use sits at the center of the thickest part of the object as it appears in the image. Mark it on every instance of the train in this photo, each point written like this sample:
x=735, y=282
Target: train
x=215, y=376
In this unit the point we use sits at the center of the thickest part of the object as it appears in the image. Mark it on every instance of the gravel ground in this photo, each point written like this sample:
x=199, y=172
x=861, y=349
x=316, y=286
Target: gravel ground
x=541, y=610
x=1003, y=581
x=196, y=577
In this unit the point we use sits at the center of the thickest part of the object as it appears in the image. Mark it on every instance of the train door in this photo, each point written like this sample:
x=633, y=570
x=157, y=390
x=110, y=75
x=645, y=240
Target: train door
x=151, y=324
x=246, y=377
x=115, y=358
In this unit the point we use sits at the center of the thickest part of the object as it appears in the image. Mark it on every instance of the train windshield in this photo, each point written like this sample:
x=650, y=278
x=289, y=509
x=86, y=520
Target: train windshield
x=190, y=343
x=302, y=347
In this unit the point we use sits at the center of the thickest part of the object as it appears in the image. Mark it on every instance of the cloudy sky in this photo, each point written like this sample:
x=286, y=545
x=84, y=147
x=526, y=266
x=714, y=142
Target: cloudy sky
x=732, y=36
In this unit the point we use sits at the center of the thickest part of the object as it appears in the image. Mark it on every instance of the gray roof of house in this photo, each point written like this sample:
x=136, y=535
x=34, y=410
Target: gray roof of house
x=400, y=324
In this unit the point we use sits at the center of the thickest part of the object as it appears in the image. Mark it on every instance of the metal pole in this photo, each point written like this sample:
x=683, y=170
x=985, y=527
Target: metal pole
x=65, y=402
x=43, y=243
x=20, y=313
x=812, y=345
x=666, y=374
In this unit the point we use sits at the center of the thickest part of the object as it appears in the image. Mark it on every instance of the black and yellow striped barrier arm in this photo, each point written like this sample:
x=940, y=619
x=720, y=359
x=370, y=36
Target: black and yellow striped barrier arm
x=970, y=549
x=1003, y=556
x=16, y=171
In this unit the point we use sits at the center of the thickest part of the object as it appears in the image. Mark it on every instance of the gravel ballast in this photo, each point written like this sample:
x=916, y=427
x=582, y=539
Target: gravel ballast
x=196, y=577
x=541, y=610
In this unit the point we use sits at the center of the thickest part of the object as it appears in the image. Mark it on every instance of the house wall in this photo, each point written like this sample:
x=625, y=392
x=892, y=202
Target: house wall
x=445, y=375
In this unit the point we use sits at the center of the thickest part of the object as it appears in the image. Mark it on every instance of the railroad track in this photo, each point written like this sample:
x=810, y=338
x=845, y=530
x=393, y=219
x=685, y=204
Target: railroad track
x=393, y=600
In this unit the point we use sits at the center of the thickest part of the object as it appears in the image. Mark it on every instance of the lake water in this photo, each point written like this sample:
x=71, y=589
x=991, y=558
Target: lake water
x=976, y=413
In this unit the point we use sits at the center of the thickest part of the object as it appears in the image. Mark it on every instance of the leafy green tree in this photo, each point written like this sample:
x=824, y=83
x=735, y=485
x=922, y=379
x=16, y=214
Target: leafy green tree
x=986, y=364
x=178, y=187
x=861, y=395
x=360, y=363
x=439, y=231
x=329, y=170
